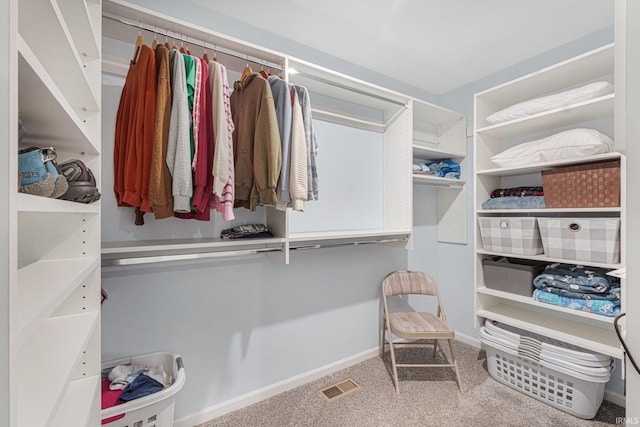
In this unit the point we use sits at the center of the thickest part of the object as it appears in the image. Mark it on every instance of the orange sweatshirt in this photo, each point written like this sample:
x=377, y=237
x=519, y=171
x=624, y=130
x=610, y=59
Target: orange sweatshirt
x=135, y=124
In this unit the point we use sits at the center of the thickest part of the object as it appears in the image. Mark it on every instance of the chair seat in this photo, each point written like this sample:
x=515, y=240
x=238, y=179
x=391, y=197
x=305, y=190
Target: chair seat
x=414, y=324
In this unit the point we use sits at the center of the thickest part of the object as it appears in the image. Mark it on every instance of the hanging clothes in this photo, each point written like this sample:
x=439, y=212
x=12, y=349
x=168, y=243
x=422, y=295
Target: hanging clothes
x=134, y=134
x=282, y=101
x=312, y=143
x=256, y=142
x=203, y=138
x=160, y=196
x=223, y=127
x=178, y=148
x=298, y=175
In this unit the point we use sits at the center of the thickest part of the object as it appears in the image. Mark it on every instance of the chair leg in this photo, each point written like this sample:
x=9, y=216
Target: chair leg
x=382, y=341
x=435, y=349
x=393, y=361
x=455, y=366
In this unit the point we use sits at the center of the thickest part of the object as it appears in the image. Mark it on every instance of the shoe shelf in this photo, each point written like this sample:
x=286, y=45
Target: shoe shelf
x=80, y=18
x=45, y=285
x=79, y=405
x=31, y=203
x=47, y=115
x=44, y=29
x=65, y=337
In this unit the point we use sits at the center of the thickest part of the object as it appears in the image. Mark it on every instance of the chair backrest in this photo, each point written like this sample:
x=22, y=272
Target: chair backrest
x=409, y=282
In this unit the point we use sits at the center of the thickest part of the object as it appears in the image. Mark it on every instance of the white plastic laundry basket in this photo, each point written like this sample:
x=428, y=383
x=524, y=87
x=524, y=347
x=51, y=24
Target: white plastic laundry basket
x=556, y=379
x=155, y=410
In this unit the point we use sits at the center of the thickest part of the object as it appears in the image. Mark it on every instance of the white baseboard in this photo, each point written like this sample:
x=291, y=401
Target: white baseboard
x=273, y=389
x=616, y=398
x=474, y=342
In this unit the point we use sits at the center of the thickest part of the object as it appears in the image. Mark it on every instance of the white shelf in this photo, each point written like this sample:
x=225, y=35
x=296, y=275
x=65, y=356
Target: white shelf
x=530, y=301
x=46, y=362
x=437, y=181
x=428, y=153
x=46, y=113
x=549, y=260
x=78, y=20
x=44, y=285
x=582, y=68
x=576, y=113
x=31, y=203
x=138, y=246
x=538, y=167
x=591, y=338
x=45, y=31
x=534, y=212
x=77, y=403
x=354, y=95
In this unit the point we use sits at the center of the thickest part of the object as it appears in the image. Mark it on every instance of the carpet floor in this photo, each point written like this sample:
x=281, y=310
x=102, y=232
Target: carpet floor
x=428, y=397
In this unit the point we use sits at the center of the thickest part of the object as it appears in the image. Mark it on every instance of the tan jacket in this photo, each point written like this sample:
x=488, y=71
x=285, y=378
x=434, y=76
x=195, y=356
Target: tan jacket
x=256, y=143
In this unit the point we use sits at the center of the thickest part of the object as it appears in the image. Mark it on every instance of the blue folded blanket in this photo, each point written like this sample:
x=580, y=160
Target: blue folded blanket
x=529, y=202
x=601, y=307
x=577, y=281
x=444, y=168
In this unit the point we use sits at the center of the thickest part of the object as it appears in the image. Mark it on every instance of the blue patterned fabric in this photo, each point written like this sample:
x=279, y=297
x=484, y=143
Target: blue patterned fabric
x=601, y=307
x=445, y=169
x=578, y=282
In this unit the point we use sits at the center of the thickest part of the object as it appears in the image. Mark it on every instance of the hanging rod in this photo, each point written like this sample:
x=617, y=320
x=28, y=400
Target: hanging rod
x=182, y=257
x=345, y=87
x=189, y=40
x=337, y=244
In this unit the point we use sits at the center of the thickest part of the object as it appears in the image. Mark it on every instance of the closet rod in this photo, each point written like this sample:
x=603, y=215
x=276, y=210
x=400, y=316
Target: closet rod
x=349, y=88
x=182, y=257
x=189, y=40
x=337, y=244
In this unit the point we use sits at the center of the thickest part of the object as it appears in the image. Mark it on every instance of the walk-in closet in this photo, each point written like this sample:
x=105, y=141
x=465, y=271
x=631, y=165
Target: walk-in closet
x=204, y=210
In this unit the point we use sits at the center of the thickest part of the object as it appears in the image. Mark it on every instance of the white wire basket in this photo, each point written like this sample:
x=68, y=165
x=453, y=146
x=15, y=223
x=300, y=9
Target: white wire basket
x=154, y=410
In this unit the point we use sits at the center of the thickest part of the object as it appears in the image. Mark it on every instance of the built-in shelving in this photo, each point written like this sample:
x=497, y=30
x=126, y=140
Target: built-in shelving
x=68, y=335
x=588, y=330
x=54, y=286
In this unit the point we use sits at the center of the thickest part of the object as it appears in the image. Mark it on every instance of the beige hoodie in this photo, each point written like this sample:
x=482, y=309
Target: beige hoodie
x=256, y=143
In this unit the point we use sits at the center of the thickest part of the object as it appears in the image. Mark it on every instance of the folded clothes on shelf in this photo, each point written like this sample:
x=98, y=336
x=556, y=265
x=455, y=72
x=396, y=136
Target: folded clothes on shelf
x=246, y=231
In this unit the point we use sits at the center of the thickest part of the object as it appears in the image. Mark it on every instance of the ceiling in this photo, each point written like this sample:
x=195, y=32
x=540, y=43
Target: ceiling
x=436, y=45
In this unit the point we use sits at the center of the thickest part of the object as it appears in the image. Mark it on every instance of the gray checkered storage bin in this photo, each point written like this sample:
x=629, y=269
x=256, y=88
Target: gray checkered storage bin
x=510, y=235
x=581, y=239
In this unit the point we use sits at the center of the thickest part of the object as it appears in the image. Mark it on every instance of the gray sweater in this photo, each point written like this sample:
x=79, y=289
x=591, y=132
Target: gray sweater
x=312, y=143
x=282, y=100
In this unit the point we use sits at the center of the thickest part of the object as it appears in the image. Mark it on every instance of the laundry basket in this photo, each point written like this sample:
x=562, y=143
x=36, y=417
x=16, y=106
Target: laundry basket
x=557, y=381
x=154, y=410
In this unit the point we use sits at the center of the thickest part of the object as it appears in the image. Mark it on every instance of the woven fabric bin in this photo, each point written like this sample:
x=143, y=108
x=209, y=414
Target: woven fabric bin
x=594, y=185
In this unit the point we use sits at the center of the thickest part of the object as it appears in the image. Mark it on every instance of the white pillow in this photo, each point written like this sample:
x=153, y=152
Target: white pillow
x=546, y=103
x=567, y=144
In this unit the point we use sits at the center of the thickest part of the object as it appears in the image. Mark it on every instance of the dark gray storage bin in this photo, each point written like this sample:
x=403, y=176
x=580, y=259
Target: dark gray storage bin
x=511, y=274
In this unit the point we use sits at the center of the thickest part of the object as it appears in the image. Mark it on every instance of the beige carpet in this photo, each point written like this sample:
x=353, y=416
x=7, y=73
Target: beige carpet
x=428, y=397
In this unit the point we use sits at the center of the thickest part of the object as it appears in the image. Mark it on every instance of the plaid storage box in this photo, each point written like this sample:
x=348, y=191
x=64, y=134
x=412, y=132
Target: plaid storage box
x=510, y=235
x=581, y=239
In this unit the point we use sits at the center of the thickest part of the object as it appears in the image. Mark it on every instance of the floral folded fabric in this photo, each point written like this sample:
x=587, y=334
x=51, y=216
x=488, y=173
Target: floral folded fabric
x=601, y=307
x=576, y=278
x=246, y=231
x=517, y=192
